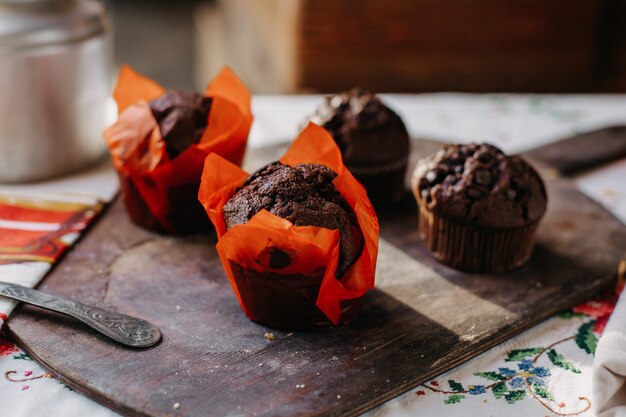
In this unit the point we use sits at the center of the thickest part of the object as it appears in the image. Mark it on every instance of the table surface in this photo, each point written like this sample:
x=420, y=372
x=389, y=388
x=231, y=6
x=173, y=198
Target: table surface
x=515, y=123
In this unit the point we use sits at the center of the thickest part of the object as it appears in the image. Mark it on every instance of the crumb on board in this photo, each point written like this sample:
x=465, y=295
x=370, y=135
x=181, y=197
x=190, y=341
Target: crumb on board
x=338, y=396
x=621, y=274
x=300, y=386
x=609, y=192
x=468, y=337
x=176, y=406
x=269, y=336
x=179, y=308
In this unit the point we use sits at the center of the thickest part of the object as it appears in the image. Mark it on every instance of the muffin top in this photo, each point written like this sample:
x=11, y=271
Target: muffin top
x=304, y=195
x=182, y=118
x=478, y=184
x=366, y=131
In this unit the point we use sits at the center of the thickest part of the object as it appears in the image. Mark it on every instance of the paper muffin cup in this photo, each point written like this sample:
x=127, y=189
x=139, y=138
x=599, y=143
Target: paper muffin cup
x=284, y=275
x=475, y=249
x=185, y=219
x=286, y=301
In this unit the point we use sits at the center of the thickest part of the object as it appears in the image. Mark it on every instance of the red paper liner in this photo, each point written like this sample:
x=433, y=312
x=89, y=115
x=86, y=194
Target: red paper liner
x=475, y=249
x=306, y=292
x=161, y=194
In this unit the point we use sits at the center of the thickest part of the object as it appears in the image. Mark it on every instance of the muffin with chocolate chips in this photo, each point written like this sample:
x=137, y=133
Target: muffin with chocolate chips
x=373, y=140
x=479, y=208
x=305, y=195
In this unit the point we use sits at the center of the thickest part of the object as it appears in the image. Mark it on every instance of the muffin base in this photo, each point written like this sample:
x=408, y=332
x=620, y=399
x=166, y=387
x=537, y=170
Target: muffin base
x=186, y=215
x=475, y=249
x=286, y=302
x=384, y=183
x=136, y=207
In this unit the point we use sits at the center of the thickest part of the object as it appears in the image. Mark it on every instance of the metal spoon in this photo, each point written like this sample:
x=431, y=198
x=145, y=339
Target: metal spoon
x=124, y=329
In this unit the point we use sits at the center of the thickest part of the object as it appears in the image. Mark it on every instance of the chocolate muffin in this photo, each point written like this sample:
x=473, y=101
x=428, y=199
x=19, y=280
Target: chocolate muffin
x=182, y=118
x=479, y=208
x=373, y=140
x=304, y=195
x=161, y=139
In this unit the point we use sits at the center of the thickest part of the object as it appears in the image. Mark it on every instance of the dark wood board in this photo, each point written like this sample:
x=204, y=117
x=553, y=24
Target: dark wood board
x=421, y=320
x=583, y=151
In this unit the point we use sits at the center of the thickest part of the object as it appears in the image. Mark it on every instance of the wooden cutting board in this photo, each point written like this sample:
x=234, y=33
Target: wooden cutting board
x=421, y=320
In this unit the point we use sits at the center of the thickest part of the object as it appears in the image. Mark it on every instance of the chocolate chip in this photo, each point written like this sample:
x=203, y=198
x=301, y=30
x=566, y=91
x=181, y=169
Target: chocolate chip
x=473, y=193
x=511, y=194
x=483, y=156
x=431, y=176
x=483, y=177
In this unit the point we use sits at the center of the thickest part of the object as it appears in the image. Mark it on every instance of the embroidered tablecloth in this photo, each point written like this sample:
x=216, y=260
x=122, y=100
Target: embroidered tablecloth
x=545, y=371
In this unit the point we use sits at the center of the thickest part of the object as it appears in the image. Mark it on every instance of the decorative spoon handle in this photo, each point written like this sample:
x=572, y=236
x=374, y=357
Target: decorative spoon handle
x=124, y=329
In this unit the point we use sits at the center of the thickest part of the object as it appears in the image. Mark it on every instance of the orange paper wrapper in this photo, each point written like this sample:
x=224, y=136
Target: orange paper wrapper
x=161, y=194
x=304, y=293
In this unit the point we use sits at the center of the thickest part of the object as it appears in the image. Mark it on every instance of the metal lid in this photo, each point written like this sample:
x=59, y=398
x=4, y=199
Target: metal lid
x=33, y=23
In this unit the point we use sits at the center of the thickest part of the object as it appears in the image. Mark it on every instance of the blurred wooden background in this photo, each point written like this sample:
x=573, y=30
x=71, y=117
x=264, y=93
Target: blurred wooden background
x=292, y=46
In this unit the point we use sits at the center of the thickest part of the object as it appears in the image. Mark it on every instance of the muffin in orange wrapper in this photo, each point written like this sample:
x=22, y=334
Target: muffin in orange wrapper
x=286, y=275
x=161, y=139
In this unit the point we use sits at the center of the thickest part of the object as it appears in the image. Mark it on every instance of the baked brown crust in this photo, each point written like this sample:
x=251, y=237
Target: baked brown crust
x=478, y=185
x=304, y=195
x=182, y=118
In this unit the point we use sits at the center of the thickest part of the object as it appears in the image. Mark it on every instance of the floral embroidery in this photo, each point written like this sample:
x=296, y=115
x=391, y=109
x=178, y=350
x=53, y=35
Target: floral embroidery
x=525, y=377
x=13, y=375
x=7, y=348
x=22, y=357
x=599, y=309
x=544, y=105
x=28, y=376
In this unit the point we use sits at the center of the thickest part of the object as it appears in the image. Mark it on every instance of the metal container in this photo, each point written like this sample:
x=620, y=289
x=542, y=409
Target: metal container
x=55, y=63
